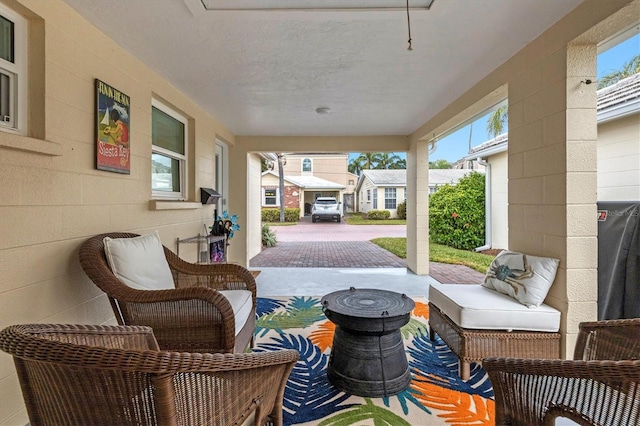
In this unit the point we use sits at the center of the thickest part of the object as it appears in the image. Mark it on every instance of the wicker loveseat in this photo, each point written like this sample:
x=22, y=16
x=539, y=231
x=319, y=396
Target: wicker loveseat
x=600, y=386
x=195, y=316
x=476, y=322
x=116, y=375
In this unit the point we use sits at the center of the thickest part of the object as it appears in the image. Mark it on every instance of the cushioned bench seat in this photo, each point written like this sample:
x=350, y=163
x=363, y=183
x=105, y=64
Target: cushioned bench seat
x=477, y=307
x=476, y=322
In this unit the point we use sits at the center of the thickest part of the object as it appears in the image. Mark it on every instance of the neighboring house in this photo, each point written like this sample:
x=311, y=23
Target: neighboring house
x=385, y=189
x=299, y=191
x=618, y=157
x=314, y=175
x=468, y=164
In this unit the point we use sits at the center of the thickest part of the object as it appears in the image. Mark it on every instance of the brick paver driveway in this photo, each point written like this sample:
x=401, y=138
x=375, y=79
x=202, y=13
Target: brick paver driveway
x=330, y=245
x=338, y=245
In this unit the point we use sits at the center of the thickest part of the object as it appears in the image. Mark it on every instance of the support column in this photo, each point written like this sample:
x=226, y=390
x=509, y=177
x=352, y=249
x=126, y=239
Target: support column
x=552, y=175
x=418, y=207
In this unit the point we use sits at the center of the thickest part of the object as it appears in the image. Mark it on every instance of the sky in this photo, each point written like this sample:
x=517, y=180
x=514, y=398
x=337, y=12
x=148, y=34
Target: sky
x=455, y=146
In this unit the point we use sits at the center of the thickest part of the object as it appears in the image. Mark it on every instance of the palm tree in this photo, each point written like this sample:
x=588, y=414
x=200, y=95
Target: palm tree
x=369, y=160
x=355, y=166
x=496, y=121
x=386, y=160
x=399, y=164
x=281, y=163
x=628, y=69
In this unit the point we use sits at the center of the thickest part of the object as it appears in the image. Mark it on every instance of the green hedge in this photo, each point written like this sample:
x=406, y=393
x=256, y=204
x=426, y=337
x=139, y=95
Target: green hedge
x=456, y=213
x=378, y=214
x=273, y=215
x=401, y=210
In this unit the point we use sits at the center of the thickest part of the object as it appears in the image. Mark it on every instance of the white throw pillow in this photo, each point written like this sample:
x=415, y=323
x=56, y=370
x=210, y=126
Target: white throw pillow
x=139, y=262
x=521, y=276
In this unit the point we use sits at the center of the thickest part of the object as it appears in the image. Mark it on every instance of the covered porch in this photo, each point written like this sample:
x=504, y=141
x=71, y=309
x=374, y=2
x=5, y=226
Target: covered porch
x=53, y=197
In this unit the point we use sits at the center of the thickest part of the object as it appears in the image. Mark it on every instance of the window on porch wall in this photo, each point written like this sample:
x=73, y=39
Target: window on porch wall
x=13, y=70
x=169, y=131
x=375, y=199
x=390, y=198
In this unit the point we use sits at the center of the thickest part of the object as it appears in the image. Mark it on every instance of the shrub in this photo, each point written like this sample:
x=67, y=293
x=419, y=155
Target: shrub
x=268, y=236
x=378, y=214
x=273, y=215
x=270, y=215
x=457, y=213
x=402, y=210
x=291, y=214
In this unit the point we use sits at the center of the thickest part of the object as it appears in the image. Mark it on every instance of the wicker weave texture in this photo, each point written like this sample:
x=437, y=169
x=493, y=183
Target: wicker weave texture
x=193, y=317
x=599, y=387
x=115, y=375
x=475, y=345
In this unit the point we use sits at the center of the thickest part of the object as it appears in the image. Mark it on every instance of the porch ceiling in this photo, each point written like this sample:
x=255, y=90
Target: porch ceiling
x=265, y=72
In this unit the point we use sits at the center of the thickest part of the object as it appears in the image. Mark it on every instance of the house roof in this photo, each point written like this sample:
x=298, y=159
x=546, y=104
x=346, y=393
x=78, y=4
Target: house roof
x=308, y=182
x=312, y=182
x=615, y=101
x=619, y=99
x=398, y=178
x=387, y=177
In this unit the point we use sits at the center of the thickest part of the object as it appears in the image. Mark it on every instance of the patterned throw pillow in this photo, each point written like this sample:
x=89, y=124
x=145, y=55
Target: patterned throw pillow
x=523, y=277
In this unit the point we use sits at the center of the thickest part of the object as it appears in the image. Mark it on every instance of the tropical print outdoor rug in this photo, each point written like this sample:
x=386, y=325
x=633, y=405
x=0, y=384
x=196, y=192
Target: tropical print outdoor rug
x=436, y=395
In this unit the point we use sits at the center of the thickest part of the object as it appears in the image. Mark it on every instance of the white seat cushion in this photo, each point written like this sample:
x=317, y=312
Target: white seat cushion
x=139, y=262
x=242, y=305
x=477, y=307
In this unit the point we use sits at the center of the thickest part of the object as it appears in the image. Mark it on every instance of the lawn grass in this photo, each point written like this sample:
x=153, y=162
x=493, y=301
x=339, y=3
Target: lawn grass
x=279, y=223
x=439, y=253
x=361, y=219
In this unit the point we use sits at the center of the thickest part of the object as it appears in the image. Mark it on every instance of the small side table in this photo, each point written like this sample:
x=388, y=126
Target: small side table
x=368, y=357
x=203, y=241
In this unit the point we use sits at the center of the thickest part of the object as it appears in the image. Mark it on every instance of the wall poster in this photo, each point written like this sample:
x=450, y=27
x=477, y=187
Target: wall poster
x=112, y=129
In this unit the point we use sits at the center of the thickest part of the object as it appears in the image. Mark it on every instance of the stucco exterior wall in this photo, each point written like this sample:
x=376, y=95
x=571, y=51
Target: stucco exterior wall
x=619, y=159
x=331, y=167
x=52, y=198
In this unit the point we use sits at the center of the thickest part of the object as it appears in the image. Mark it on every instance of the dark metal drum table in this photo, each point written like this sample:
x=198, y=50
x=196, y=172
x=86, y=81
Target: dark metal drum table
x=368, y=357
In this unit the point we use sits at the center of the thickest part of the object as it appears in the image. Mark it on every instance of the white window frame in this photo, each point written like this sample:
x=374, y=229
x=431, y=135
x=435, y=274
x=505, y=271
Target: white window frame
x=310, y=165
x=375, y=199
x=182, y=159
x=17, y=72
x=264, y=197
x=368, y=195
x=388, y=198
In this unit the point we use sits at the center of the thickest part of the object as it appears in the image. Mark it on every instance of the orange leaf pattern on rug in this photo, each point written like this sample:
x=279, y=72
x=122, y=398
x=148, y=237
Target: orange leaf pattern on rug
x=459, y=408
x=323, y=336
x=421, y=310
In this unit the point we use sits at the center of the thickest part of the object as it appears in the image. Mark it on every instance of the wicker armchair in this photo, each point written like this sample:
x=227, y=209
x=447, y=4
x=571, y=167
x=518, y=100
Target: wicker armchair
x=115, y=375
x=599, y=387
x=193, y=317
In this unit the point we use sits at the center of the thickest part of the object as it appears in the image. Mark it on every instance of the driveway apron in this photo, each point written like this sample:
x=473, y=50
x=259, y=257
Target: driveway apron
x=330, y=245
x=339, y=245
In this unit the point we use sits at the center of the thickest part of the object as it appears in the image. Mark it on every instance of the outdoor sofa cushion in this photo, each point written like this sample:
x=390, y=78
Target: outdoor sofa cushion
x=242, y=305
x=474, y=306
